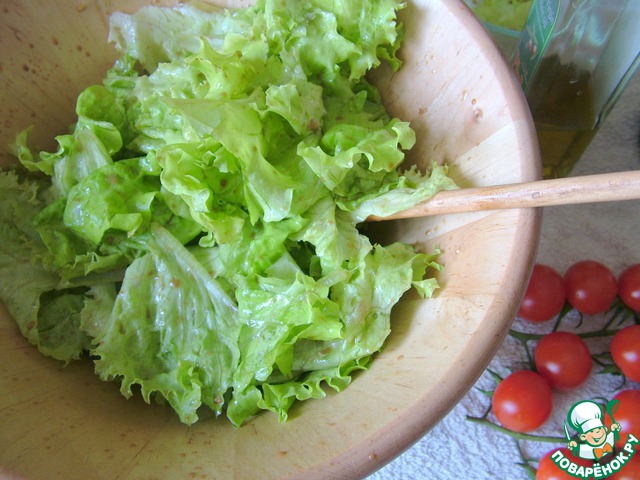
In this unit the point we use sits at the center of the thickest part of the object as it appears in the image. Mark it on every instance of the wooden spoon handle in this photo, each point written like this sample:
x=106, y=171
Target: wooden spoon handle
x=606, y=187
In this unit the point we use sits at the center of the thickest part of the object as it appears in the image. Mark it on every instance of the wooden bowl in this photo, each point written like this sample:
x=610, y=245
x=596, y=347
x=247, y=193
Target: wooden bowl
x=60, y=422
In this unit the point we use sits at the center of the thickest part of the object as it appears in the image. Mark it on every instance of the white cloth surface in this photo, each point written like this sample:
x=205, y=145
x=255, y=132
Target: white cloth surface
x=607, y=232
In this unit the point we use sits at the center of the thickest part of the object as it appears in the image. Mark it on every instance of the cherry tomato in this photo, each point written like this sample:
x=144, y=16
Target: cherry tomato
x=548, y=470
x=630, y=470
x=590, y=286
x=544, y=297
x=522, y=401
x=629, y=287
x=627, y=415
x=625, y=350
x=563, y=358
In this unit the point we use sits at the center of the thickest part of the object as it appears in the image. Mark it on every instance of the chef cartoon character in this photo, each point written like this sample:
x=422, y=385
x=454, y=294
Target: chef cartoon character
x=586, y=418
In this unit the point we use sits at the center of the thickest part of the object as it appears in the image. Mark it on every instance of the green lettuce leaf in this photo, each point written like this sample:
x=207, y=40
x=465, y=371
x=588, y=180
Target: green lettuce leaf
x=196, y=232
x=172, y=330
x=26, y=266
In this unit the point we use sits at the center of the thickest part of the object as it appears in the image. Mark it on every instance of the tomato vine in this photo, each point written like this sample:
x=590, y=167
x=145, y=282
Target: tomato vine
x=560, y=359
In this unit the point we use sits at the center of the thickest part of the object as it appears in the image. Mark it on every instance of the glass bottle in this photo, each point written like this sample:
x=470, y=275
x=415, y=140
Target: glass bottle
x=574, y=58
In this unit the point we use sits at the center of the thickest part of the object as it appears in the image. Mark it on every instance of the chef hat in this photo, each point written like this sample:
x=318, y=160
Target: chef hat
x=585, y=416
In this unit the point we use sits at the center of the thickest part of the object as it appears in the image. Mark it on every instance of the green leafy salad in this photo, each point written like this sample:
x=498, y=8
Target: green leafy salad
x=196, y=233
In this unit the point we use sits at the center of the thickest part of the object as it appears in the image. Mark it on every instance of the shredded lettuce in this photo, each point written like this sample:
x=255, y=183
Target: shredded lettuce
x=196, y=232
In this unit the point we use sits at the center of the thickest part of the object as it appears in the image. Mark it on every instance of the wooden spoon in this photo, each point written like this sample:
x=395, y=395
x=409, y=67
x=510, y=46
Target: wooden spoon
x=606, y=187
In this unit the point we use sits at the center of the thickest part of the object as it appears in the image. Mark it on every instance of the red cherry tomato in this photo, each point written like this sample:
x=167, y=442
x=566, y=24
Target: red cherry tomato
x=627, y=415
x=630, y=470
x=625, y=350
x=629, y=287
x=522, y=401
x=590, y=286
x=564, y=359
x=548, y=470
x=544, y=297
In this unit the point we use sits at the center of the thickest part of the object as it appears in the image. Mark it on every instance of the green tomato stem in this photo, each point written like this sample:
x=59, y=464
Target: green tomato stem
x=517, y=435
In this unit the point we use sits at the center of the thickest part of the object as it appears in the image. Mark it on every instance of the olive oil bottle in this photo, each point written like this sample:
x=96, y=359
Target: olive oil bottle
x=573, y=60
x=562, y=104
